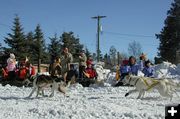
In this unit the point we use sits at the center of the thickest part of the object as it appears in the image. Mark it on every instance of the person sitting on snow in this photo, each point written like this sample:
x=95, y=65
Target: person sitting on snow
x=124, y=70
x=90, y=75
x=22, y=71
x=31, y=69
x=90, y=71
x=134, y=67
x=142, y=59
x=148, y=69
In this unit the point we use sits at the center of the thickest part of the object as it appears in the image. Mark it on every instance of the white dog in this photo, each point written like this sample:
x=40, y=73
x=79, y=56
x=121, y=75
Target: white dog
x=44, y=81
x=165, y=87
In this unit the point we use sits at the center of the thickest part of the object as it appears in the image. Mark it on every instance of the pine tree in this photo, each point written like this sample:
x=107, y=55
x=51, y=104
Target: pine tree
x=170, y=34
x=107, y=61
x=16, y=40
x=55, y=47
x=88, y=53
x=72, y=43
x=112, y=53
x=40, y=47
x=100, y=56
x=30, y=46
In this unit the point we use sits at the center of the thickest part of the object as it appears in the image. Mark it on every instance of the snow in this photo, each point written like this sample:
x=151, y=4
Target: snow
x=105, y=102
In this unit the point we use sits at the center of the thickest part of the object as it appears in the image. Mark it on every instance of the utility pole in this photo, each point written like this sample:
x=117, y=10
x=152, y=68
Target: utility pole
x=98, y=34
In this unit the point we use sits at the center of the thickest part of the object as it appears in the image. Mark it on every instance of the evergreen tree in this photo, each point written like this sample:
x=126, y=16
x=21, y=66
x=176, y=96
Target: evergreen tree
x=94, y=56
x=40, y=47
x=170, y=34
x=0, y=47
x=30, y=46
x=72, y=43
x=88, y=53
x=107, y=61
x=16, y=40
x=100, y=56
x=55, y=47
x=112, y=53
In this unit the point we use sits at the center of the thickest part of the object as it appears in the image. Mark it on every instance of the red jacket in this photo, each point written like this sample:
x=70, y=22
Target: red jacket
x=92, y=73
x=22, y=73
x=32, y=71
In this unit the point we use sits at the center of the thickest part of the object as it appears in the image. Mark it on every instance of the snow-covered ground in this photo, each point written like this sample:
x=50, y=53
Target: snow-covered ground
x=87, y=103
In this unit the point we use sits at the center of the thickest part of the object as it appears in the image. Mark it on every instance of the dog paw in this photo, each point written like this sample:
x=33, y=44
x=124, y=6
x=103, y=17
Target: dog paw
x=126, y=94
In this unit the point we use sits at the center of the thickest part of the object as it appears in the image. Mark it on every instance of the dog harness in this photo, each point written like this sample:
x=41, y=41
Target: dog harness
x=135, y=81
x=155, y=82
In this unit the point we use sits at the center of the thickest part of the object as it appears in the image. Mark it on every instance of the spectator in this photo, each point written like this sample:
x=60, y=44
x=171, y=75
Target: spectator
x=67, y=58
x=142, y=59
x=11, y=66
x=148, y=69
x=134, y=67
x=82, y=63
x=90, y=75
x=124, y=69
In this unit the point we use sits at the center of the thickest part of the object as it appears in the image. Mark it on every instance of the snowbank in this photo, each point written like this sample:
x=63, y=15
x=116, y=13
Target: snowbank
x=88, y=103
x=82, y=103
x=166, y=69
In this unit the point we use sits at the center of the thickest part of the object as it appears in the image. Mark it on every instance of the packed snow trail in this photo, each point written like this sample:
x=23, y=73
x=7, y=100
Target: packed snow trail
x=82, y=103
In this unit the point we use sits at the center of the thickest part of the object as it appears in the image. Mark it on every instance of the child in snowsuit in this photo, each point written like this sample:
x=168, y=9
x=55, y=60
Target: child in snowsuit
x=11, y=67
x=134, y=67
x=90, y=75
x=142, y=60
x=148, y=69
x=124, y=70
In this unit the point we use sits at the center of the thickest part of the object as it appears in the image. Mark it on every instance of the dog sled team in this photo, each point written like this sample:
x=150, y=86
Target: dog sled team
x=63, y=72
x=128, y=75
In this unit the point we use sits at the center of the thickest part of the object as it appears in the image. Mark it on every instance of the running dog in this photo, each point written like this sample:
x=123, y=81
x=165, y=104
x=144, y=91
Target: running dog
x=165, y=87
x=44, y=81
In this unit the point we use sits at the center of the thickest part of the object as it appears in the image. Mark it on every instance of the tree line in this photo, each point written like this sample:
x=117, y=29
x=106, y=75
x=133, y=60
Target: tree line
x=33, y=45
x=169, y=36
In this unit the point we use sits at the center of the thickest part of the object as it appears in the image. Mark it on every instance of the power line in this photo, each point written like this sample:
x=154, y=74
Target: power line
x=130, y=35
x=5, y=25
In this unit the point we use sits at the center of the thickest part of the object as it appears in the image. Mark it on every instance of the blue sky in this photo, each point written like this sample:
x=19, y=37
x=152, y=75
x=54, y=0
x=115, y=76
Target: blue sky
x=138, y=17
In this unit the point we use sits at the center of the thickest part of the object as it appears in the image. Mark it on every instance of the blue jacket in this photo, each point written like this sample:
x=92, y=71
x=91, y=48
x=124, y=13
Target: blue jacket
x=125, y=69
x=134, y=69
x=141, y=65
x=148, y=71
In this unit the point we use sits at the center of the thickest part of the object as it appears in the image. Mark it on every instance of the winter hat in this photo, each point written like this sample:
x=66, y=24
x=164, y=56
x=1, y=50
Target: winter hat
x=142, y=56
x=12, y=56
x=89, y=62
x=146, y=62
x=132, y=57
x=125, y=62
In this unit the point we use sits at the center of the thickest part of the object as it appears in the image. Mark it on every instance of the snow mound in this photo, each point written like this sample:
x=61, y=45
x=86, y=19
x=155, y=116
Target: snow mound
x=82, y=103
x=167, y=69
